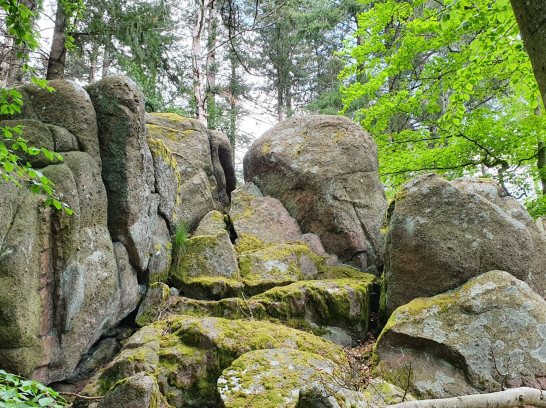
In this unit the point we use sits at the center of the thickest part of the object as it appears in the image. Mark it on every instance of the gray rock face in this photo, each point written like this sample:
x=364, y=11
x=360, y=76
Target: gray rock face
x=62, y=282
x=193, y=168
x=211, y=224
x=321, y=394
x=138, y=391
x=68, y=107
x=260, y=221
x=441, y=234
x=324, y=169
x=127, y=165
x=472, y=339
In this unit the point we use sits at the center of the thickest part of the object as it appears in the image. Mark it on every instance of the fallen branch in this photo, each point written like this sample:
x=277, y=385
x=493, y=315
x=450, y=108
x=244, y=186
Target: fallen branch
x=83, y=397
x=514, y=397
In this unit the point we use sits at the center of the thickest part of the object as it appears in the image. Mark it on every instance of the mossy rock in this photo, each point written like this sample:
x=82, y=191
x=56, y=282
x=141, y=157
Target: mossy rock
x=329, y=393
x=211, y=288
x=270, y=378
x=155, y=301
x=317, y=307
x=339, y=303
x=456, y=341
x=205, y=256
x=211, y=224
x=186, y=355
x=262, y=219
x=276, y=266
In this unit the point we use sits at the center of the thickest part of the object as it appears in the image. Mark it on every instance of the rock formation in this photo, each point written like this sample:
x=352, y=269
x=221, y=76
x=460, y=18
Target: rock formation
x=66, y=280
x=324, y=170
x=63, y=283
x=441, y=234
x=486, y=335
x=169, y=287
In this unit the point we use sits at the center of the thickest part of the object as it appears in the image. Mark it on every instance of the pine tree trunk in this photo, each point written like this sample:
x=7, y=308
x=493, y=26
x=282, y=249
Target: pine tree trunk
x=211, y=65
x=57, y=55
x=94, y=57
x=198, y=80
x=106, y=57
x=233, y=101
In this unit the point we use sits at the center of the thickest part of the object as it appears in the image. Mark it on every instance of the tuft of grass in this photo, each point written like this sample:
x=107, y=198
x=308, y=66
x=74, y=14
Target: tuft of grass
x=180, y=241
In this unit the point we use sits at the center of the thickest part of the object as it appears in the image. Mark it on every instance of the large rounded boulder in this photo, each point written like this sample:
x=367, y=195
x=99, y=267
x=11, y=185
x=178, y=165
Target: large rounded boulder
x=487, y=335
x=324, y=170
x=441, y=234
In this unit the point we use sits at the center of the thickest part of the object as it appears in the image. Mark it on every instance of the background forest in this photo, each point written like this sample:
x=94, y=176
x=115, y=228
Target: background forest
x=441, y=85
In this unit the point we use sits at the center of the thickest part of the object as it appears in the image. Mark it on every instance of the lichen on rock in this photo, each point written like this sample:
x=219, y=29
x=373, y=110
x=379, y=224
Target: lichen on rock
x=484, y=335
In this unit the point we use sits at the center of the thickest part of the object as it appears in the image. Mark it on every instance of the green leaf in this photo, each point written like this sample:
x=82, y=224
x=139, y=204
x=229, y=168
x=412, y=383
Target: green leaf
x=44, y=402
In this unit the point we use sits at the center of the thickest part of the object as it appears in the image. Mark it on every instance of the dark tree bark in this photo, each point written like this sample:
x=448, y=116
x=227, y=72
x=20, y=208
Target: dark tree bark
x=57, y=55
x=531, y=18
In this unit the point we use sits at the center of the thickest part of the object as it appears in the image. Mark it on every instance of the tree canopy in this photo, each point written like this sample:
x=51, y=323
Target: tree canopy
x=449, y=88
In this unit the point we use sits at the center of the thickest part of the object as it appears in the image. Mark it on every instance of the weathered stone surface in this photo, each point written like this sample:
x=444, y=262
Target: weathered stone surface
x=62, y=284
x=339, y=310
x=99, y=355
x=127, y=171
x=21, y=268
x=344, y=304
x=138, y=391
x=67, y=107
x=472, y=339
x=37, y=135
x=186, y=355
x=222, y=165
x=270, y=378
x=541, y=223
x=161, y=253
x=191, y=169
x=64, y=140
x=328, y=394
x=207, y=268
x=157, y=301
x=260, y=221
x=441, y=234
x=211, y=224
x=276, y=266
x=205, y=257
x=128, y=282
x=89, y=282
x=324, y=169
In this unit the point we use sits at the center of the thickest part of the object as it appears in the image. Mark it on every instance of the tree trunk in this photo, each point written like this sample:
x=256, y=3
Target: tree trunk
x=93, y=57
x=514, y=397
x=531, y=18
x=11, y=66
x=280, y=100
x=57, y=55
x=288, y=98
x=541, y=159
x=106, y=57
x=233, y=100
x=211, y=66
x=198, y=80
